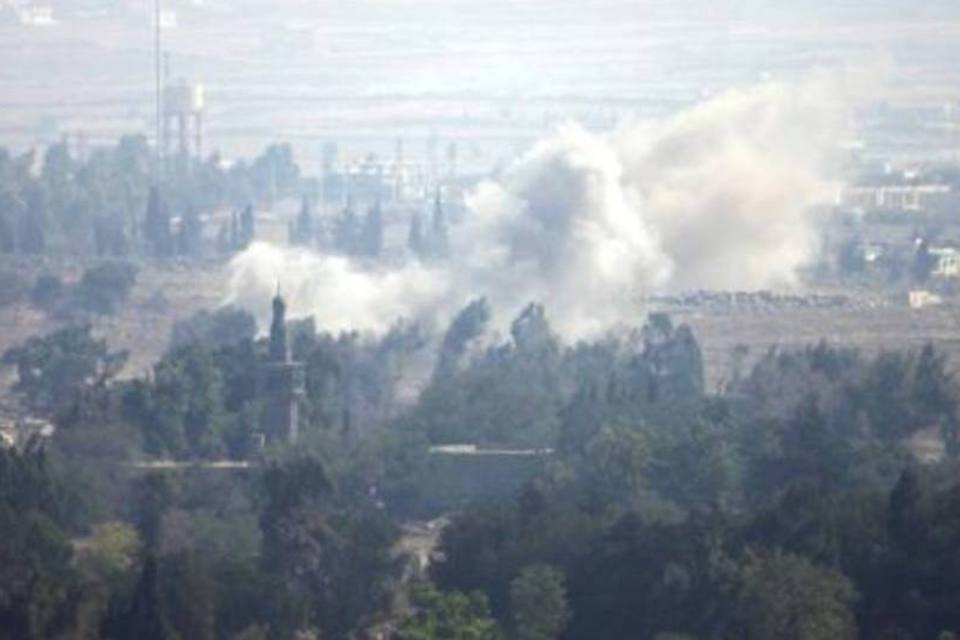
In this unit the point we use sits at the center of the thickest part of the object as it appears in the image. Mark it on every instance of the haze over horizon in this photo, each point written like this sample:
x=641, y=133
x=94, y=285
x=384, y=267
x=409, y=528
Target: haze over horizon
x=492, y=76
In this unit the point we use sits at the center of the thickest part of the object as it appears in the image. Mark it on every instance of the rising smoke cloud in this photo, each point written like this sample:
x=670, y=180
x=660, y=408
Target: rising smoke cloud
x=718, y=196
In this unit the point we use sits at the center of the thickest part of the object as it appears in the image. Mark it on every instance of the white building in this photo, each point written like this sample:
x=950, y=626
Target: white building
x=36, y=15
x=924, y=197
x=168, y=19
x=921, y=298
x=947, y=262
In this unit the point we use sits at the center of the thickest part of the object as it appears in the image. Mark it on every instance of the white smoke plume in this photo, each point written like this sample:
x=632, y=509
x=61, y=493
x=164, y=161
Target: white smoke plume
x=718, y=196
x=729, y=185
x=335, y=292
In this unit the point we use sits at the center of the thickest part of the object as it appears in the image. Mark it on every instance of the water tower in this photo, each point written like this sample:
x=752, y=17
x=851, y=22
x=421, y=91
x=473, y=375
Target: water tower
x=183, y=108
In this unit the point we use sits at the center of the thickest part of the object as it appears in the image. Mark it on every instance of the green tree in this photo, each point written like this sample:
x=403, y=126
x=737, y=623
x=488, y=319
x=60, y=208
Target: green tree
x=36, y=576
x=111, y=552
x=372, y=232
x=850, y=258
x=416, y=241
x=211, y=329
x=53, y=369
x=936, y=396
x=674, y=358
x=34, y=221
x=467, y=325
x=145, y=618
x=905, y=525
x=347, y=231
x=188, y=396
x=923, y=262
x=302, y=230
x=110, y=236
x=46, y=290
x=11, y=211
x=448, y=616
x=157, y=226
x=57, y=171
x=538, y=600
x=154, y=494
x=247, y=231
x=191, y=232
x=784, y=596
x=615, y=465
x=104, y=287
x=440, y=242
x=189, y=595
x=336, y=562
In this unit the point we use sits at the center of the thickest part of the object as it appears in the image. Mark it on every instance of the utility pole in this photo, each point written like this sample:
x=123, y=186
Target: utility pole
x=159, y=91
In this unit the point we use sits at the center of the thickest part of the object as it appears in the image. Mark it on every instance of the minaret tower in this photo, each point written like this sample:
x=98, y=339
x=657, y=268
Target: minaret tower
x=283, y=381
x=279, y=350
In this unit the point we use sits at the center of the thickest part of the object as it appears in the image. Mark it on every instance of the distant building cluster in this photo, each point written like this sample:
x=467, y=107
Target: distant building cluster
x=27, y=13
x=933, y=198
x=390, y=180
x=18, y=431
x=902, y=228
x=946, y=261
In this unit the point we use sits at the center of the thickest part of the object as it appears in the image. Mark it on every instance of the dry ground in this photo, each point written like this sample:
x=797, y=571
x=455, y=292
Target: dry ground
x=165, y=293
x=870, y=330
x=162, y=295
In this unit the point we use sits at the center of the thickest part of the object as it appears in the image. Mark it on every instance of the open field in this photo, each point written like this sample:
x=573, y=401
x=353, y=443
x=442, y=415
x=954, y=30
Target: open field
x=161, y=296
x=868, y=329
x=170, y=292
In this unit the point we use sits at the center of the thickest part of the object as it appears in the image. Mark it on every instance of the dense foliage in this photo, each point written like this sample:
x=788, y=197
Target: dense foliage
x=110, y=203
x=611, y=495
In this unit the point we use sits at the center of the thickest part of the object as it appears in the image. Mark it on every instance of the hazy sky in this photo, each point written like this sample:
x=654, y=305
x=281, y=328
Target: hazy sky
x=493, y=74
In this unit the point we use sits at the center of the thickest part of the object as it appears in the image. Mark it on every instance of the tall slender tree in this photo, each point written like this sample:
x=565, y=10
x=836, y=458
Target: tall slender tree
x=157, y=226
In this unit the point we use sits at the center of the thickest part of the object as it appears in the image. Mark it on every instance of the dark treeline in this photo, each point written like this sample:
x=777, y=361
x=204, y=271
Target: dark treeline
x=789, y=504
x=359, y=233
x=111, y=204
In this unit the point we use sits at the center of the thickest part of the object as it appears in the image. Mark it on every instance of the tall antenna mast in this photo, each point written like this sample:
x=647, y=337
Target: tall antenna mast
x=159, y=89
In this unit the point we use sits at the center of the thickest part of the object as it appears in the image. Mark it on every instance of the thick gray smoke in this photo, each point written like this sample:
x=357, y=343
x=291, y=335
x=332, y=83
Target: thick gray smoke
x=729, y=186
x=718, y=196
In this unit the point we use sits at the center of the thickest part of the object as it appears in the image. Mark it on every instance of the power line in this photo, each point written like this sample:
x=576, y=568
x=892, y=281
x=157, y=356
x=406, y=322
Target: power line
x=158, y=106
